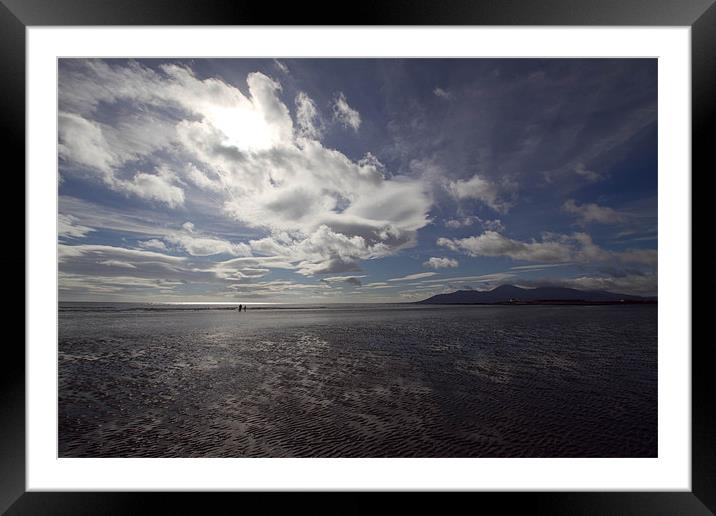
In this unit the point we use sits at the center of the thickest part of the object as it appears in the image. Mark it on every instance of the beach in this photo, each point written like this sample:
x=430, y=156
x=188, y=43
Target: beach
x=398, y=380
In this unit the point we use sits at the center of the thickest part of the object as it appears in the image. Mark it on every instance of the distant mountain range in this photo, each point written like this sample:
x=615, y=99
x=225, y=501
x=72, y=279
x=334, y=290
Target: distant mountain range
x=509, y=294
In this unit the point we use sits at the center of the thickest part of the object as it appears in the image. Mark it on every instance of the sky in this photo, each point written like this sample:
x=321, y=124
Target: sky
x=354, y=180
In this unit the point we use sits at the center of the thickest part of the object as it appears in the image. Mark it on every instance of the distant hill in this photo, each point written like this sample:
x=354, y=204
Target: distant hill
x=509, y=294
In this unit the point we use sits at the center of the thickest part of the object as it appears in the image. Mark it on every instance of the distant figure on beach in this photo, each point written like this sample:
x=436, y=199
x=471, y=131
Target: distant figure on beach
x=245, y=307
x=240, y=308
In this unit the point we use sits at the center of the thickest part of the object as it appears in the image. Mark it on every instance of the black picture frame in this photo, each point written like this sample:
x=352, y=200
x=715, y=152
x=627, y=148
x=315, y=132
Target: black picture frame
x=16, y=15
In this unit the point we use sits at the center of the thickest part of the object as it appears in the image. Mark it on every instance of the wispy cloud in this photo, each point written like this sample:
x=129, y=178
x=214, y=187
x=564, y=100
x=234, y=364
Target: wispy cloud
x=344, y=114
x=418, y=275
x=308, y=119
x=480, y=278
x=538, y=267
x=68, y=227
x=554, y=248
x=353, y=281
x=443, y=94
x=591, y=212
x=281, y=66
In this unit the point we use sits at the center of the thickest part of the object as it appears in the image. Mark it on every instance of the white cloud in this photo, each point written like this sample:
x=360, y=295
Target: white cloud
x=68, y=227
x=95, y=269
x=461, y=222
x=577, y=247
x=97, y=252
x=112, y=285
x=202, y=179
x=419, y=275
x=537, y=267
x=82, y=142
x=308, y=118
x=338, y=279
x=480, y=189
x=118, y=263
x=157, y=187
x=491, y=243
x=441, y=263
x=153, y=243
x=237, y=156
x=443, y=94
x=136, y=221
x=269, y=288
x=639, y=256
x=87, y=269
x=636, y=284
x=101, y=150
x=281, y=66
x=482, y=278
x=208, y=246
x=247, y=123
x=593, y=213
x=589, y=175
x=352, y=281
x=197, y=243
x=492, y=225
x=247, y=267
x=372, y=162
x=330, y=220
x=345, y=114
x=324, y=250
x=321, y=211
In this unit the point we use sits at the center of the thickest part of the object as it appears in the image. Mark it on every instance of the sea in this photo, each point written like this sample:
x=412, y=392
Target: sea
x=347, y=380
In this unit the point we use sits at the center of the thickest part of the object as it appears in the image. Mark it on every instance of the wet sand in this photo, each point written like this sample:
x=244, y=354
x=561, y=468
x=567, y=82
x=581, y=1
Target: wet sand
x=392, y=381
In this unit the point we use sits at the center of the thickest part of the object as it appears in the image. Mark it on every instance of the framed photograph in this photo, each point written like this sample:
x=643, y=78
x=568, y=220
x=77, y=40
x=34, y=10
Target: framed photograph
x=438, y=249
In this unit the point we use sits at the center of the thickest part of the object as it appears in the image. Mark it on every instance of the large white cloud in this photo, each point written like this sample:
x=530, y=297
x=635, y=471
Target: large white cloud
x=320, y=210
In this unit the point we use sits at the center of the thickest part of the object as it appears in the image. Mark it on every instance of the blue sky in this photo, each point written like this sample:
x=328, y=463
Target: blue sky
x=354, y=180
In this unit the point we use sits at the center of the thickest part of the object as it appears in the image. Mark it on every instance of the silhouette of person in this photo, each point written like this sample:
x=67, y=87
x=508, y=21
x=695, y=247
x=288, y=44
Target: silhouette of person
x=240, y=308
x=245, y=307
